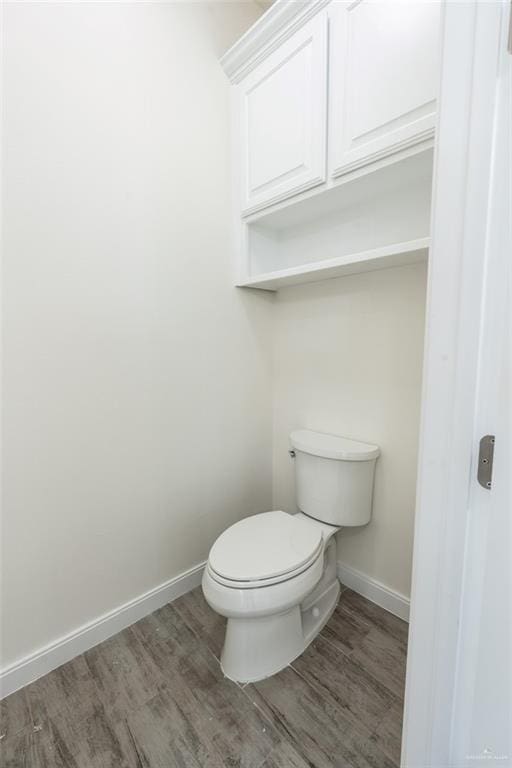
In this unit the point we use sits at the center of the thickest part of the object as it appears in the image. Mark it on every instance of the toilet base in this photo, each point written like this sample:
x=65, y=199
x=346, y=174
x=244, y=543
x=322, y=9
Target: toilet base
x=258, y=647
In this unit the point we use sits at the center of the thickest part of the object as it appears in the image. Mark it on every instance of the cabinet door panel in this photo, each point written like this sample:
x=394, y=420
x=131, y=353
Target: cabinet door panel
x=383, y=78
x=283, y=114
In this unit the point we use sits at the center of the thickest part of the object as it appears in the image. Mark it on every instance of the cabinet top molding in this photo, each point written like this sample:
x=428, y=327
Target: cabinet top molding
x=281, y=20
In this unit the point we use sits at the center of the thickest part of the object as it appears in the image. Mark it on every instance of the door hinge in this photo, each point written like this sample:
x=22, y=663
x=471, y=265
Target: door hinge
x=485, y=457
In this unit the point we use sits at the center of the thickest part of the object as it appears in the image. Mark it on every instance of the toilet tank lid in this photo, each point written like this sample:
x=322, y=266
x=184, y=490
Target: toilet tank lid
x=332, y=446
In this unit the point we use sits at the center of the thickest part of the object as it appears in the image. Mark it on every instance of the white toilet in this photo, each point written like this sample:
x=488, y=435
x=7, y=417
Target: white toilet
x=273, y=575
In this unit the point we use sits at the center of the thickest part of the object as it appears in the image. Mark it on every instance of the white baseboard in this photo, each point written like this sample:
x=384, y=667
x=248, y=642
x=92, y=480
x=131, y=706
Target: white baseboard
x=375, y=591
x=64, y=649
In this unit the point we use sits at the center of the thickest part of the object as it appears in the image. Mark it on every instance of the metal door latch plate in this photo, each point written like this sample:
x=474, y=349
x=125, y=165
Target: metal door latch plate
x=485, y=457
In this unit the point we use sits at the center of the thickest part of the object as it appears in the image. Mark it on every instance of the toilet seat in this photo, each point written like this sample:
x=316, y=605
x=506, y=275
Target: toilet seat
x=265, y=549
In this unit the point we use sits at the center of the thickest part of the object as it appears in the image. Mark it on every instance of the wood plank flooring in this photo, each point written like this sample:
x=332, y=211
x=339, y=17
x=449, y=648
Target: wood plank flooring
x=154, y=696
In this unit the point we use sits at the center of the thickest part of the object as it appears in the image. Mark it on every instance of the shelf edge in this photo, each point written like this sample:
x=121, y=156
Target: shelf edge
x=399, y=254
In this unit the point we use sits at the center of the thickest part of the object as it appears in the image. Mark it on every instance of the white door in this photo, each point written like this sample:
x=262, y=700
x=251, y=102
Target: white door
x=282, y=108
x=383, y=78
x=458, y=709
x=482, y=720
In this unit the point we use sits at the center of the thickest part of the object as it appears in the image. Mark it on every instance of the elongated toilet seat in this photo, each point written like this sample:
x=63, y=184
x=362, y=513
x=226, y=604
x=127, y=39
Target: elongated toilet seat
x=265, y=549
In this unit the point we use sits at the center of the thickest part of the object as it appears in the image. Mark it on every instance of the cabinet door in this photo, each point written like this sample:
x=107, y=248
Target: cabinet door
x=282, y=106
x=383, y=78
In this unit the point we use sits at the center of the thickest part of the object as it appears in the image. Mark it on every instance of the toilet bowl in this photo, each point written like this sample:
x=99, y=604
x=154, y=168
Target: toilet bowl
x=269, y=621
x=273, y=575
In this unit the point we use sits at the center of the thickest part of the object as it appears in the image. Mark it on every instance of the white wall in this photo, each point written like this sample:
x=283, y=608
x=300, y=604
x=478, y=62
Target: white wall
x=137, y=412
x=347, y=360
x=137, y=382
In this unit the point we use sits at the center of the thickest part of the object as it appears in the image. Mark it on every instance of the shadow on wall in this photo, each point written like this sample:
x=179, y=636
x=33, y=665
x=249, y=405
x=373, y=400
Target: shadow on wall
x=348, y=360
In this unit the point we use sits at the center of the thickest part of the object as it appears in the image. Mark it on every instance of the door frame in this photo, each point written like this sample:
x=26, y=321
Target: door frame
x=470, y=45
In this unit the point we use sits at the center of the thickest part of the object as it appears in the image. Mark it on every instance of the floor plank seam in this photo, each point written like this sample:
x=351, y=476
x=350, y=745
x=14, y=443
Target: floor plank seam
x=246, y=691
x=361, y=667
x=194, y=632
x=336, y=647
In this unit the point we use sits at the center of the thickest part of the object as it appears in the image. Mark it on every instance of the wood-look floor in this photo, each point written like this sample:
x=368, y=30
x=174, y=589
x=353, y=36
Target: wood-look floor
x=154, y=696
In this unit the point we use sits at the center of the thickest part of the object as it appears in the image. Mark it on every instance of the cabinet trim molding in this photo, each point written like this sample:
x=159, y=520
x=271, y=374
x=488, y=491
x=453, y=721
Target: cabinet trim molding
x=286, y=195
x=418, y=140
x=281, y=20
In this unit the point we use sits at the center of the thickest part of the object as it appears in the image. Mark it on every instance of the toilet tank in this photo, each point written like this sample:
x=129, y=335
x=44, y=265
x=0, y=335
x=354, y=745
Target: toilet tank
x=334, y=477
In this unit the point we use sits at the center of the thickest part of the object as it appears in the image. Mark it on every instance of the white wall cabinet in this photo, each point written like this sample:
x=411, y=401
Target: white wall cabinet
x=383, y=79
x=282, y=107
x=334, y=107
